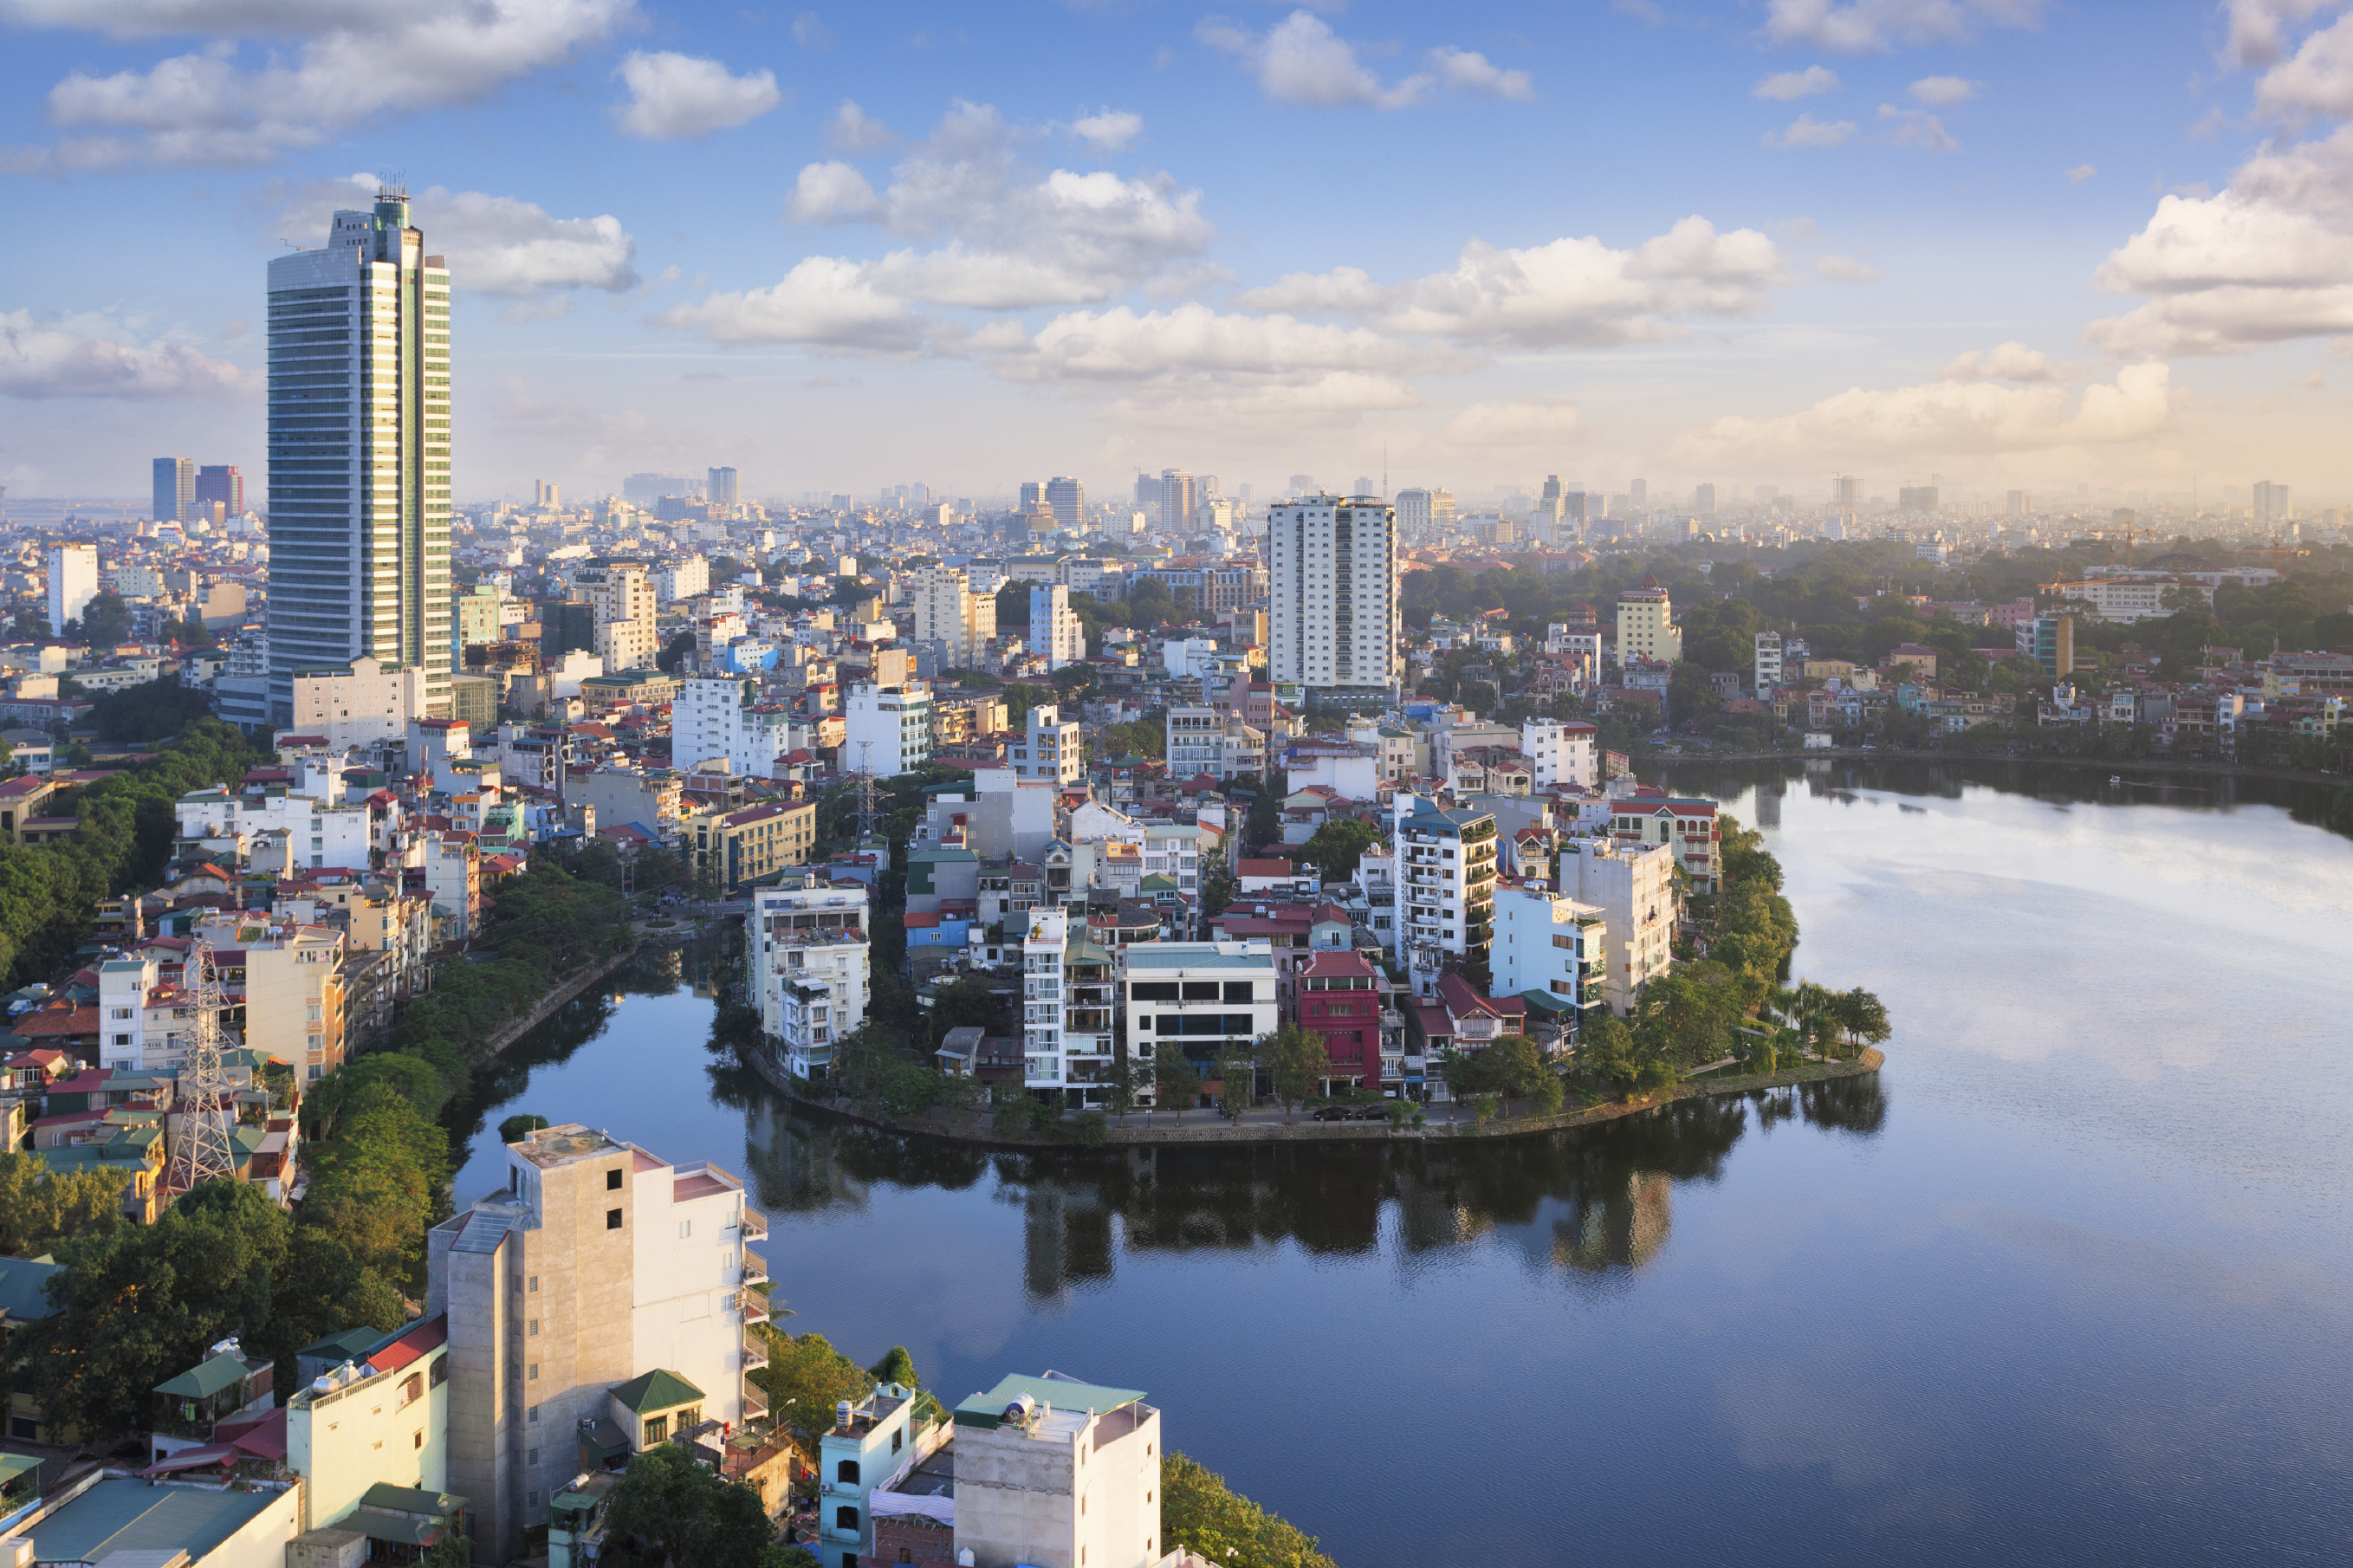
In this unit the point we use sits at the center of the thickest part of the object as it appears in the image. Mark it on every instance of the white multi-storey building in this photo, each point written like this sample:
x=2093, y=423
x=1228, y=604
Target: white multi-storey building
x=810, y=960
x=317, y=834
x=359, y=453
x=1769, y=664
x=1068, y=497
x=887, y=730
x=683, y=579
x=1055, y=631
x=953, y=612
x=1066, y=1010
x=1550, y=943
x=1560, y=752
x=621, y=601
x=1633, y=886
x=353, y=704
x=723, y=718
x=1203, y=741
x=598, y=1304
x=1446, y=883
x=1202, y=998
x=73, y=583
x=1331, y=618
x=1050, y=750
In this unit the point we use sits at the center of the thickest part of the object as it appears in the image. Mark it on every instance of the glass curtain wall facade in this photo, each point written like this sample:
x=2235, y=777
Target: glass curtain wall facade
x=359, y=454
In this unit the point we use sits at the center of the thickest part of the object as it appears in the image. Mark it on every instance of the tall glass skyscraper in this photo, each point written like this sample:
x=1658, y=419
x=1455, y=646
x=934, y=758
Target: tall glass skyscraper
x=359, y=454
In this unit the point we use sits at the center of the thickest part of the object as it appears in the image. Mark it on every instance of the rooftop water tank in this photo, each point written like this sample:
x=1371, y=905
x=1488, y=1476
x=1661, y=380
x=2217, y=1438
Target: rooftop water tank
x=841, y=1413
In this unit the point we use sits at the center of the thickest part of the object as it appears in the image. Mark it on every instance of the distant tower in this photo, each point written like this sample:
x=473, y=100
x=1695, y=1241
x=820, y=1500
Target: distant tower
x=202, y=1151
x=175, y=489
x=721, y=487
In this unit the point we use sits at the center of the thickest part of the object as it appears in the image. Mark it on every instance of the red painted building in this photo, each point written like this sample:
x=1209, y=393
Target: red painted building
x=1339, y=997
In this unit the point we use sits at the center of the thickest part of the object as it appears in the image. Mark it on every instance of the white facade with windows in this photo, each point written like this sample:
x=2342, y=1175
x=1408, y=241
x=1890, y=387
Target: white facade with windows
x=1202, y=998
x=722, y=718
x=1768, y=663
x=953, y=610
x=1446, y=882
x=73, y=584
x=1332, y=615
x=809, y=960
x=1633, y=885
x=1202, y=741
x=1549, y=944
x=1050, y=749
x=887, y=730
x=1560, y=752
x=1066, y=1010
x=1055, y=631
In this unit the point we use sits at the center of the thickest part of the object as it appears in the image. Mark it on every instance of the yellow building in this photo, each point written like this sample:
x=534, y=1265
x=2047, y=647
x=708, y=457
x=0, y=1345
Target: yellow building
x=733, y=847
x=1646, y=625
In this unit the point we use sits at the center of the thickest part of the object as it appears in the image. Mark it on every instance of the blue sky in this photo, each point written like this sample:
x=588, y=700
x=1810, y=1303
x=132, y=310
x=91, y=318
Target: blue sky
x=2010, y=242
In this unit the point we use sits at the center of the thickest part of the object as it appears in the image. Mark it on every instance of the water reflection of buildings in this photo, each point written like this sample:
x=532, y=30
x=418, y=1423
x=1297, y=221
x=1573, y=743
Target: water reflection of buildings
x=1616, y=1231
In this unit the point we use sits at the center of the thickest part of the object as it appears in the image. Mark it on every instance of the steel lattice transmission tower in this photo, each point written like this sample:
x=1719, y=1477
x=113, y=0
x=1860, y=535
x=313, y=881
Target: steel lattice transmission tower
x=202, y=1151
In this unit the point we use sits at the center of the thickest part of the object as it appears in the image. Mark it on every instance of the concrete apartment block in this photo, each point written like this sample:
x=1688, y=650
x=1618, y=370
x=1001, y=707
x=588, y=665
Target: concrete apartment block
x=1055, y=1473
x=596, y=1263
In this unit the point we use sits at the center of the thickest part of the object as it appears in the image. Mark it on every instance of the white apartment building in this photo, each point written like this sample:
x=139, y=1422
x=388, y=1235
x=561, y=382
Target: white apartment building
x=1066, y=1010
x=144, y=1027
x=950, y=611
x=682, y=579
x=73, y=584
x=2139, y=597
x=357, y=704
x=1198, y=997
x=1332, y=616
x=1769, y=664
x=810, y=961
x=1633, y=886
x=887, y=730
x=1057, y=1473
x=1056, y=633
x=1050, y=750
x=1550, y=943
x=318, y=835
x=1560, y=752
x=721, y=718
x=1202, y=741
x=1421, y=512
x=600, y=1299
x=359, y=453
x=1446, y=883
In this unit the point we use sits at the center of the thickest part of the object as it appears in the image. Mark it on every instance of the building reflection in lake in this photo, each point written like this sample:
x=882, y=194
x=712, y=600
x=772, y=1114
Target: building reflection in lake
x=1582, y=1203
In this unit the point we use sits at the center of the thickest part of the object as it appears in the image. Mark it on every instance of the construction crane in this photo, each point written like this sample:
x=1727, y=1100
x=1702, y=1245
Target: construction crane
x=2275, y=554
x=203, y=1152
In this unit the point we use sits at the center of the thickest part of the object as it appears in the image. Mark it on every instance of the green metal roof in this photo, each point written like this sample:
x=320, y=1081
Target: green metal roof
x=218, y=1372
x=1156, y=883
x=15, y=1464
x=1192, y=955
x=1068, y=1393
x=345, y=1346
x=657, y=1391
x=123, y=1515
x=409, y=1500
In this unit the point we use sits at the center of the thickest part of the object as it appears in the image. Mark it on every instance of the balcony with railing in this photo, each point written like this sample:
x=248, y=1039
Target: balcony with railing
x=756, y=1225
x=756, y=1403
x=751, y=1303
x=755, y=1350
x=755, y=1267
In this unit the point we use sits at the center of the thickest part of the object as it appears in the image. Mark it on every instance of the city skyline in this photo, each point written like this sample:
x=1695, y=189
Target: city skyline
x=1747, y=245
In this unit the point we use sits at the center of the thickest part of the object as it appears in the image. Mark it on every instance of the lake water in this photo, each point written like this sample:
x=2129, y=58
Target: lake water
x=2066, y=1283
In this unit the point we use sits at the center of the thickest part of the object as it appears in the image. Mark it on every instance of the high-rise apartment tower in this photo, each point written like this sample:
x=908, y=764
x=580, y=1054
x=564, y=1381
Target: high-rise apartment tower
x=359, y=453
x=1068, y=497
x=220, y=482
x=723, y=487
x=1332, y=619
x=175, y=489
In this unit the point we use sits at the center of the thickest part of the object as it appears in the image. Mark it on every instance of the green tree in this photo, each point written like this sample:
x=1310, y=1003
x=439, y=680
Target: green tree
x=105, y=621
x=1297, y=1064
x=1217, y=885
x=518, y=1127
x=1337, y=847
x=38, y=1205
x=376, y=1185
x=1515, y=1068
x=807, y=1374
x=1175, y=1080
x=1239, y=1077
x=1860, y=1018
x=1461, y=1074
x=896, y=1366
x=1198, y=1512
x=1130, y=1081
x=691, y=1514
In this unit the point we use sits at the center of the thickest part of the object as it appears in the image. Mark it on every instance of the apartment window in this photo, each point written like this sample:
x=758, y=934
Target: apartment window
x=531, y=1374
x=531, y=1500
x=613, y=1180
x=534, y=1284
x=535, y=1456
x=845, y=1472
x=416, y=1439
x=534, y=1417
x=612, y=1219
x=534, y=1328
x=845, y=1519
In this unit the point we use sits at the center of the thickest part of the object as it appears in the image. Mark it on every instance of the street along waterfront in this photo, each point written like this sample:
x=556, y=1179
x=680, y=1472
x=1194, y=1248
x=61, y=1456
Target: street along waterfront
x=2066, y=1282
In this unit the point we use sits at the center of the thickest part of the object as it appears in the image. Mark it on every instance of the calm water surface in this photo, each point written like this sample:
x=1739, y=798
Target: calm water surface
x=2067, y=1283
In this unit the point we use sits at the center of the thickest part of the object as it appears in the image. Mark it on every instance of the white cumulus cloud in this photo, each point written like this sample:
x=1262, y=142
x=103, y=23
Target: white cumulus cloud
x=1944, y=91
x=1783, y=86
x=832, y=192
x=674, y=96
x=1846, y=270
x=2081, y=173
x=1867, y=26
x=1570, y=293
x=852, y=130
x=823, y=303
x=2267, y=259
x=1470, y=71
x=1301, y=60
x=1111, y=129
x=350, y=63
x=1916, y=127
x=2004, y=361
x=1808, y=131
x=2316, y=79
x=99, y=355
x=1942, y=418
